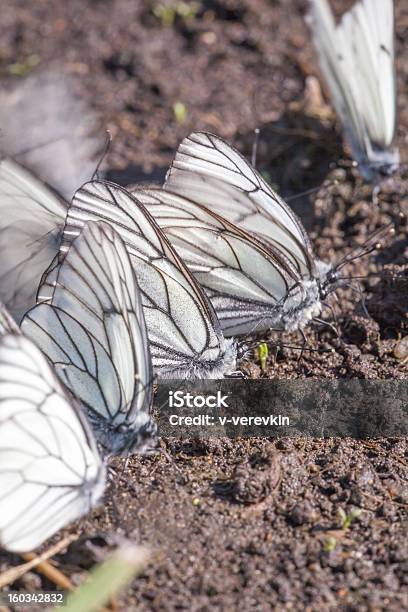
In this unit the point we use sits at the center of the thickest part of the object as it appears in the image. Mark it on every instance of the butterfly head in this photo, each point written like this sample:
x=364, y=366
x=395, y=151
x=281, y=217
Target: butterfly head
x=134, y=437
x=329, y=280
x=130, y=436
x=378, y=164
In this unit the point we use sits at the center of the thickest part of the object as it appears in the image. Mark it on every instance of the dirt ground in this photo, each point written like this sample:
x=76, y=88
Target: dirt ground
x=246, y=524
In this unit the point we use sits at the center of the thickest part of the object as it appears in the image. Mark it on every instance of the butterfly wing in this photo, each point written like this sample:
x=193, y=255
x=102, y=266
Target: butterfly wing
x=209, y=171
x=184, y=333
x=31, y=221
x=94, y=331
x=51, y=472
x=252, y=286
x=357, y=61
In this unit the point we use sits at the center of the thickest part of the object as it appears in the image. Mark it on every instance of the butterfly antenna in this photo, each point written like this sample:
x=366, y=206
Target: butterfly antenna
x=255, y=144
x=361, y=276
x=105, y=151
x=329, y=183
x=370, y=245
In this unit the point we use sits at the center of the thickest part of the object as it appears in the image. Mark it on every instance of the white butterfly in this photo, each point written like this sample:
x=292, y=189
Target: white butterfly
x=185, y=337
x=252, y=286
x=247, y=247
x=357, y=61
x=93, y=330
x=50, y=469
x=31, y=221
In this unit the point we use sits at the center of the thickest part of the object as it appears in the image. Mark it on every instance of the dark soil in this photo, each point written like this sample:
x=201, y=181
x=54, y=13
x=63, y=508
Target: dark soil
x=247, y=524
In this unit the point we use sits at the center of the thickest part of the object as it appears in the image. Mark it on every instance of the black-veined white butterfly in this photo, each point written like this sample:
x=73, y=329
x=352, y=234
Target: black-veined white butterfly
x=357, y=61
x=241, y=240
x=50, y=469
x=31, y=221
x=93, y=330
x=252, y=286
x=185, y=336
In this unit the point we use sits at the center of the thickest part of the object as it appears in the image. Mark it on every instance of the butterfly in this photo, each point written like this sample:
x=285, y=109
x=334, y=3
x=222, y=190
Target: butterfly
x=240, y=239
x=51, y=471
x=93, y=330
x=252, y=285
x=31, y=221
x=357, y=61
x=62, y=141
x=184, y=333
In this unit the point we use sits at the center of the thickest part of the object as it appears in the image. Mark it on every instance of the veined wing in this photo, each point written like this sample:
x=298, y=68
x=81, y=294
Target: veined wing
x=184, y=332
x=31, y=221
x=251, y=286
x=50, y=470
x=94, y=332
x=357, y=60
x=204, y=163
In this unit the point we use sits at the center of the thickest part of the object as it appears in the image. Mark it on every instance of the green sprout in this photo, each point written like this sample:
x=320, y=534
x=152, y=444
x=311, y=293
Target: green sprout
x=180, y=112
x=187, y=10
x=107, y=579
x=347, y=519
x=263, y=353
x=167, y=13
x=22, y=69
x=330, y=544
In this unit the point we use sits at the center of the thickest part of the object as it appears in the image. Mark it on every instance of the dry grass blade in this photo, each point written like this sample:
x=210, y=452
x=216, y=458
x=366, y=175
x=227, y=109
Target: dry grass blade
x=13, y=574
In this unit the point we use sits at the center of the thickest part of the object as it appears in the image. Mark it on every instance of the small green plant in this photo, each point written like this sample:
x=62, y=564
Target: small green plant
x=263, y=353
x=330, y=544
x=22, y=69
x=347, y=519
x=167, y=12
x=180, y=112
x=187, y=10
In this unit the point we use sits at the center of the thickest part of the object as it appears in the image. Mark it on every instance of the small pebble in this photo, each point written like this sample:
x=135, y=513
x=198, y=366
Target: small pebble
x=401, y=349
